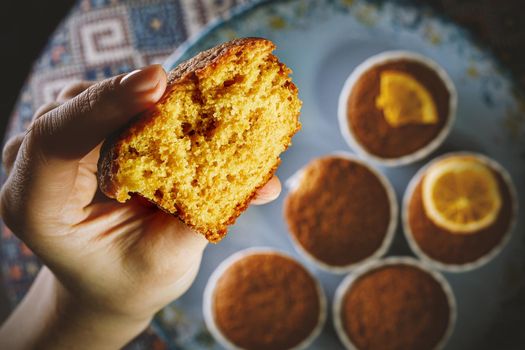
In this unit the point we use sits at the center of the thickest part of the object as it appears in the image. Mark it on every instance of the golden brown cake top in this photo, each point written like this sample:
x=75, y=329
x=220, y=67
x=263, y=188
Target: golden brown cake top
x=266, y=301
x=368, y=122
x=397, y=307
x=203, y=62
x=340, y=211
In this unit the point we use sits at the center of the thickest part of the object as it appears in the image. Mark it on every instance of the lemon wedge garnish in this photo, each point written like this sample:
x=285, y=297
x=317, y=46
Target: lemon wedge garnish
x=404, y=100
x=461, y=194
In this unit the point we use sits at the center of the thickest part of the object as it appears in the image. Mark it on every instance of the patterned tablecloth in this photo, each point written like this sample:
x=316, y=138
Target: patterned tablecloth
x=99, y=39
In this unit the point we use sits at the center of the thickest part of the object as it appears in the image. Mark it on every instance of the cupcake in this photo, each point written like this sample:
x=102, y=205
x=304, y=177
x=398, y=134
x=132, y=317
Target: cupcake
x=396, y=107
x=397, y=303
x=340, y=213
x=263, y=299
x=459, y=211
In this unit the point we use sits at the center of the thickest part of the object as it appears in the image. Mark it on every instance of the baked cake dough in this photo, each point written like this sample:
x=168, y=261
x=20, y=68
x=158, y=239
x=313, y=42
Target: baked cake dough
x=212, y=140
x=340, y=211
x=447, y=247
x=368, y=123
x=397, y=307
x=266, y=301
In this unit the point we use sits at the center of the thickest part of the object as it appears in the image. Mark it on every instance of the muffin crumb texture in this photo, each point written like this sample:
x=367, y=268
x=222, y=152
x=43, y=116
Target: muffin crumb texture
x=266, y=301
x=396, y=307
x=213, y=139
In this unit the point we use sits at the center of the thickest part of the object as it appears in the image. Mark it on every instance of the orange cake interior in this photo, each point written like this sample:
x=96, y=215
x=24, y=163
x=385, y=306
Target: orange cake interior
x=214, y=138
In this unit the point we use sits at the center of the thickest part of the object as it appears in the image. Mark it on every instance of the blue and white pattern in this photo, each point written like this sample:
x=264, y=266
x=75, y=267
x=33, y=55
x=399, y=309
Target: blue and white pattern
x=158, y=28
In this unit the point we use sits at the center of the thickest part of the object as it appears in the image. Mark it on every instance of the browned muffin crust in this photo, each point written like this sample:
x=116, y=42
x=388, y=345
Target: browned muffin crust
x=368, y=123
x=340, y=212
x=447, y=247
x=266, y=301
x=193, y=69
x=396, y=307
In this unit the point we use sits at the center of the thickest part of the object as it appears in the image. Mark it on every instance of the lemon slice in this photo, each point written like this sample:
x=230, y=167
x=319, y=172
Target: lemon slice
x=461, y=194
x=404, y=100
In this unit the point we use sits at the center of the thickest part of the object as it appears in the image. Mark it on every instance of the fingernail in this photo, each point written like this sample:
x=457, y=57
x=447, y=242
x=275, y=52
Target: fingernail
x=141, y=80
x=264, y=196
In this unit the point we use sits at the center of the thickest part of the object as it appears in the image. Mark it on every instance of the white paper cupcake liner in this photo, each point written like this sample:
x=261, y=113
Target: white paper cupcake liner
x=295, y=181
x=481, y=260
x=349, y=280
x=382, y=58
x=219, y=271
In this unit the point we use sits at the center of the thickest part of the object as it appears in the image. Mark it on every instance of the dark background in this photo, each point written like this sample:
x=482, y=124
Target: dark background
x=25, y=26
x=498, y=25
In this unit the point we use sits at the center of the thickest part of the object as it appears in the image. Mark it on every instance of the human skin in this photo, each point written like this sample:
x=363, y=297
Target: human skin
x=109, y=267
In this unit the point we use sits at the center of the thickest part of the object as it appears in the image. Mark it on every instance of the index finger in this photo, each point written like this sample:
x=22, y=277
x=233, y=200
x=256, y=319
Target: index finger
x=269, y=192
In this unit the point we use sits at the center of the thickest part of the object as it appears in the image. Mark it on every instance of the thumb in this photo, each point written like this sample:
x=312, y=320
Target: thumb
x=79, y=125
x=47, y=164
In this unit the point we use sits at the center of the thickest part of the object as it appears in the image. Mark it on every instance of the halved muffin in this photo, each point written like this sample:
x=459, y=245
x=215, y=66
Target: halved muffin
x=214, y=138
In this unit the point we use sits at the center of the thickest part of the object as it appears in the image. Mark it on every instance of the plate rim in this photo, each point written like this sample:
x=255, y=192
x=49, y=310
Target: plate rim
x=445, y=20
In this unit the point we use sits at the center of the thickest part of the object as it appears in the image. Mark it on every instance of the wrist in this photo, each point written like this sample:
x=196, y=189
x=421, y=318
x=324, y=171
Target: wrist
x=85, y=319
x=50, y=317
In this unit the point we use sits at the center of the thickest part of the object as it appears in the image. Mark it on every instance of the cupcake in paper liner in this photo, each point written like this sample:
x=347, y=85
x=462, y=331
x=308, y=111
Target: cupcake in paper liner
x=340, y=212
x=396, y=303
x=261, y=298
x=459, y=211
x=397, y=107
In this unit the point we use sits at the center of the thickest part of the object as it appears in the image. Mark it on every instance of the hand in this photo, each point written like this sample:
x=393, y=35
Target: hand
x=113, y=265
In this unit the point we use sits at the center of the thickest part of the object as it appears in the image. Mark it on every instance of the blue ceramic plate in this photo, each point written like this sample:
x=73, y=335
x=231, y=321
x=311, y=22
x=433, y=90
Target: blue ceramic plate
x=322, y=41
